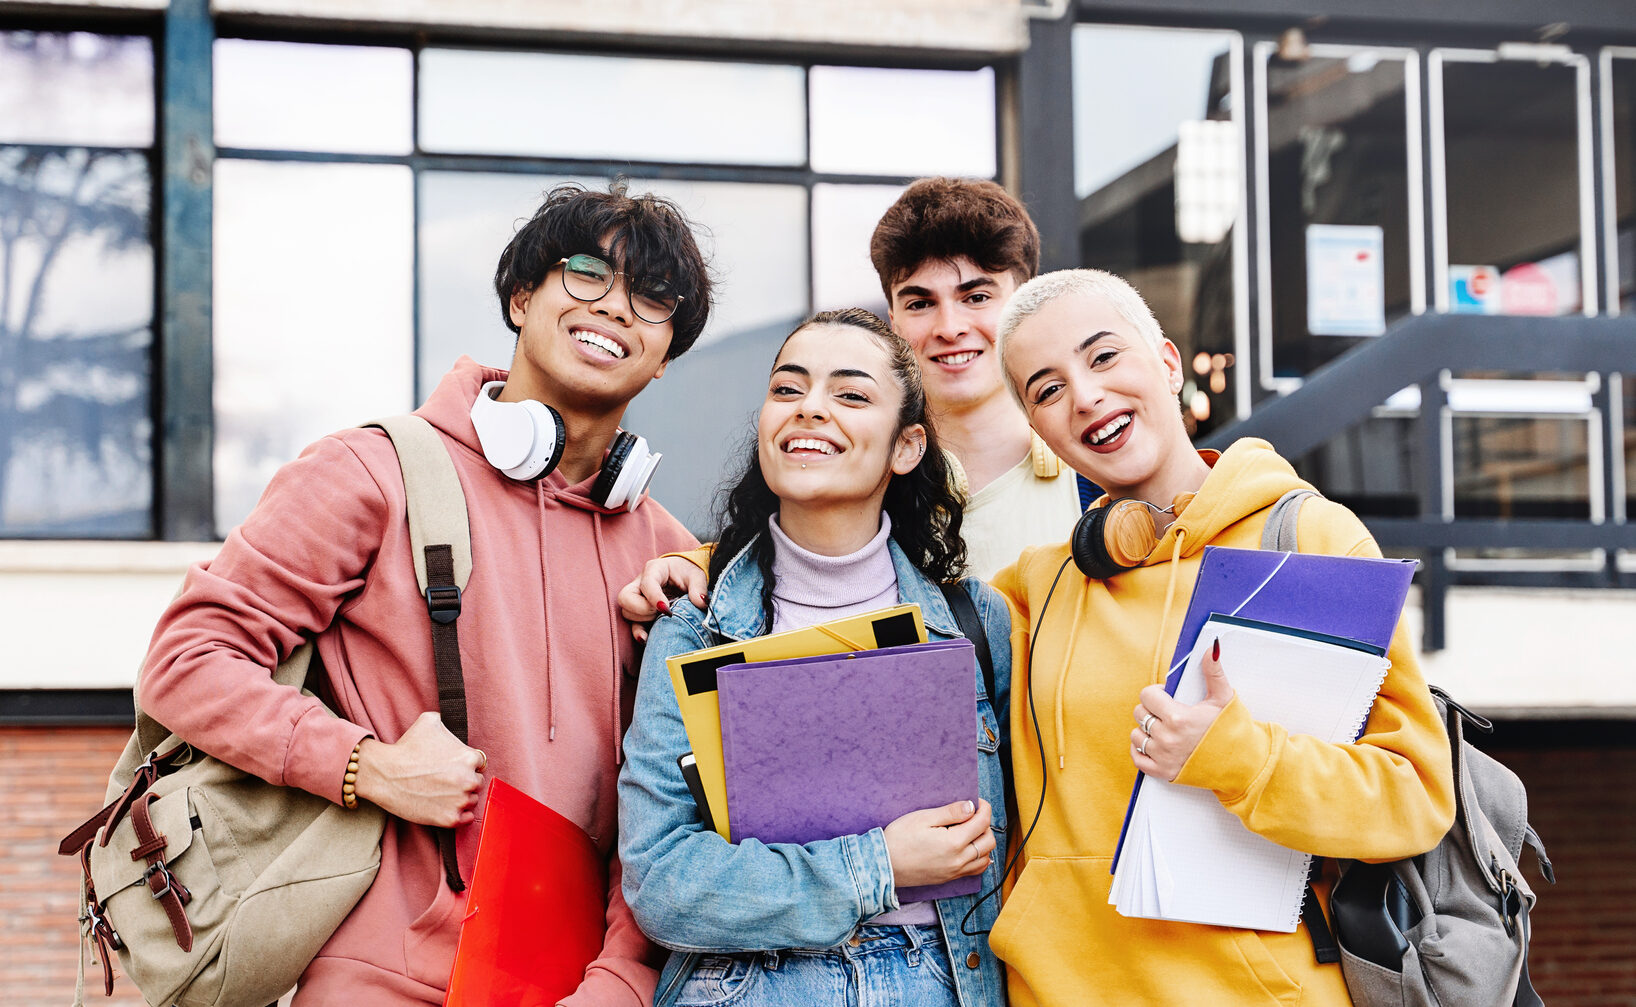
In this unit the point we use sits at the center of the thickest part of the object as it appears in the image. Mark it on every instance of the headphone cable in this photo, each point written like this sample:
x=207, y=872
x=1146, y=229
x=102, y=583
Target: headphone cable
x=1040, y=740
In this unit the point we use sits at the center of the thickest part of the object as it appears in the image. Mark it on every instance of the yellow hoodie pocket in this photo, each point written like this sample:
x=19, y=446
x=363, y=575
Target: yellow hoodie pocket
x=1063, y=944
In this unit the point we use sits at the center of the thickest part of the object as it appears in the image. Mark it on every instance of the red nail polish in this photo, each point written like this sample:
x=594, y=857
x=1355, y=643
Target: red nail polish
x=1215, y=649
x=664, y=607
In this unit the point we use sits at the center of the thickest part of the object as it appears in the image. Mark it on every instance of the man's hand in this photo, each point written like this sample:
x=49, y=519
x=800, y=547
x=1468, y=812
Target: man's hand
x=1175, y=729
x=646, y=597
x=427, y=776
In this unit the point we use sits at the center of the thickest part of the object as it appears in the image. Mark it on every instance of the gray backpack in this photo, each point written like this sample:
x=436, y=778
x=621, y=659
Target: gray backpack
x=1450, y=926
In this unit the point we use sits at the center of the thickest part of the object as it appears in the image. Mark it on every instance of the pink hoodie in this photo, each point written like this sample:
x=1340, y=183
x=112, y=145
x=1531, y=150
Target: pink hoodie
x=545, y=655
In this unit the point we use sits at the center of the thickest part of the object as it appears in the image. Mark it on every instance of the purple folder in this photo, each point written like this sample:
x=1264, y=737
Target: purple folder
x=1353, y=597
x=820, y=747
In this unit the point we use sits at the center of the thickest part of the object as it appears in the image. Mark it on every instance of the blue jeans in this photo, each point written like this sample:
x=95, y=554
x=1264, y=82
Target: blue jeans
x=880, y=966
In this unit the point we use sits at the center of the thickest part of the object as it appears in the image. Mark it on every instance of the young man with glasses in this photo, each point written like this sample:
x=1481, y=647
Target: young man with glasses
x=603, y=290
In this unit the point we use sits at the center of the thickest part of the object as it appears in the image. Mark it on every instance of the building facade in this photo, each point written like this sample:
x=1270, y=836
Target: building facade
x=1395, y=241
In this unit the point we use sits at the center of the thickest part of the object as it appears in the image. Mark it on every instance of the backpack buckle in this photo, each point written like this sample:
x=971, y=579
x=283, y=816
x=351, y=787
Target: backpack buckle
x=443, y=603
x=99, y=926
x=168, y=884
x=1510, y=902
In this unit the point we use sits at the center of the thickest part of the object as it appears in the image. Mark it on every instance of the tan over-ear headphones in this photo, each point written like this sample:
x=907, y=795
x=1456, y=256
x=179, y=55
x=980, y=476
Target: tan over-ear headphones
x=1119, y=535
x=1046, y=464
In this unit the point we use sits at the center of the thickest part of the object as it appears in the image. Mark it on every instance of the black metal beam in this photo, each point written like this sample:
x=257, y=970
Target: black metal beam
x=1045, y=113
x=67, y=707
x=185, y=491
x=1343, y=392
x=1519, y=16
x=1491, y=533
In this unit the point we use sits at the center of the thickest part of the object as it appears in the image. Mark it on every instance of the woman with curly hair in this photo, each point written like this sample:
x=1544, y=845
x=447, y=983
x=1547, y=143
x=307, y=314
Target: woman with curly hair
x=844, y=506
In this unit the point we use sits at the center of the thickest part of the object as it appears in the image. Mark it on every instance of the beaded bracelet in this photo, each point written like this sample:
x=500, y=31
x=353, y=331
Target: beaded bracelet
x=349, y=783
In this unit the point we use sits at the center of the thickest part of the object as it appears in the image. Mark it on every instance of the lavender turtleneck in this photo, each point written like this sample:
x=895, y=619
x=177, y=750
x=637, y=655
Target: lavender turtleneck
x=810, y=588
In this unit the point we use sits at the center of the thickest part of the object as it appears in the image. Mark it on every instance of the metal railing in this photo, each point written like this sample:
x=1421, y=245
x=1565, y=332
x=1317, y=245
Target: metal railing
x=1422, y=351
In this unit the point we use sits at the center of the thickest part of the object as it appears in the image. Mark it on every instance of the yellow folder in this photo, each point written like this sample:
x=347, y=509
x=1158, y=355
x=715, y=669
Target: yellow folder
x=694, y=678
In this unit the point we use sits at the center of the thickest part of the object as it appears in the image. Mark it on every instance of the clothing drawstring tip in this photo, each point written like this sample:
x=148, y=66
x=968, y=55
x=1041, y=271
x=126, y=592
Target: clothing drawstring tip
x=1062, y=762
x=551, y=735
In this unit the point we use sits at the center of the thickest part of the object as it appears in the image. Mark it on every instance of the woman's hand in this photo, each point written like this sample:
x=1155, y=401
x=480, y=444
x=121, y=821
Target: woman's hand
x=648, y=595
x=1168, y=731
x=940, y=844
x=427, y=776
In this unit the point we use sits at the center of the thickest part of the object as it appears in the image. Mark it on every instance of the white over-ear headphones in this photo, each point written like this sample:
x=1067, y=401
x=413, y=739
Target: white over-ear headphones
x=525, y=441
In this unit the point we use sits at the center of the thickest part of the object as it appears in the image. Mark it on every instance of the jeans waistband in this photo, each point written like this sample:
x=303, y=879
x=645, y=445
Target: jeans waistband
x=870, y=939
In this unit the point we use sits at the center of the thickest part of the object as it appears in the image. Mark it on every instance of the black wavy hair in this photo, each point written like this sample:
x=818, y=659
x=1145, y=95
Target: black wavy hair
x=645, y=236
x=923, y=505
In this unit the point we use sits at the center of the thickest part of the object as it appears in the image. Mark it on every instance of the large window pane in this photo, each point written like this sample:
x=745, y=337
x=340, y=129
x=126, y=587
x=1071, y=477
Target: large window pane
x=843, y=219
x=76, y=88
x=313, y=312
x=1521, y=467
x=1511, y=157
x=298, y=96
x=1159, y=183
x=1338, y=207
x=616, y=108
x=76, y=315
x=1623, y=108
x=882, y=121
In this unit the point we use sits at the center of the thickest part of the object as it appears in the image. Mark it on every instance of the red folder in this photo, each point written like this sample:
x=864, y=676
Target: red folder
x=535, y=912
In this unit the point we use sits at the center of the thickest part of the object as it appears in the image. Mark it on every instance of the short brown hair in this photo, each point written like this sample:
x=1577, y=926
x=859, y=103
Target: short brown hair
x=937, y=219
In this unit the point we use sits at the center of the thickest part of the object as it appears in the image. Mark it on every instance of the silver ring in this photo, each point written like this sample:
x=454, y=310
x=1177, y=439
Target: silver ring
x=1147, y=723
x=1143, y=749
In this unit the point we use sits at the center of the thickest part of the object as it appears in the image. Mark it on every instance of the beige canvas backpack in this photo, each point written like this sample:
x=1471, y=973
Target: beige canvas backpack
x=216, y=888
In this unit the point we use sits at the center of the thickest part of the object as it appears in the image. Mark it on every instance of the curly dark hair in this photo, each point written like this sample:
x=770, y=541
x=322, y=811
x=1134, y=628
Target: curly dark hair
x=924, y=508
x=645, y=235
x=937, y=219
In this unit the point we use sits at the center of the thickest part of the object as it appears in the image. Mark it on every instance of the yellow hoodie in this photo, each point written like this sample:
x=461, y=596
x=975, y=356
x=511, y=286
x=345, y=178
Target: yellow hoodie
x=1387, y=797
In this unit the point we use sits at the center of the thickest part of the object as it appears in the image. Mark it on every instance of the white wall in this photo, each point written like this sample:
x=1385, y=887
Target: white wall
x=977, y=26
x=79, y=615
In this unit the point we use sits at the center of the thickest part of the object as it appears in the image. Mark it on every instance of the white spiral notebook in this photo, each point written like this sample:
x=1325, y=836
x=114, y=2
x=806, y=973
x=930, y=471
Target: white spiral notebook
x=1187, y=858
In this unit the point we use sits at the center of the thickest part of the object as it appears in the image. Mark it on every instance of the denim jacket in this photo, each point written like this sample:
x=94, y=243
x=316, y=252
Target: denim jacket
x=695, y=893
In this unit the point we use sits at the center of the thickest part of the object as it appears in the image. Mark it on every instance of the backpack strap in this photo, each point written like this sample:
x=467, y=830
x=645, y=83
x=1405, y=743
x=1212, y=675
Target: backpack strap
x=971, y=627
x=440, y=541
x=1278, y=534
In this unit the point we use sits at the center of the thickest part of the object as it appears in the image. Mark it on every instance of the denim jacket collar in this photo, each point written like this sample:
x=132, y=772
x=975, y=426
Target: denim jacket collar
x=735, y=610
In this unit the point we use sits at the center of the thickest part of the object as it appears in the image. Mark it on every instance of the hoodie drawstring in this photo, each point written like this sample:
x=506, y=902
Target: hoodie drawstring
x=613, y=634
x=1062, y=679
x=545, y=592
x=1164, y=615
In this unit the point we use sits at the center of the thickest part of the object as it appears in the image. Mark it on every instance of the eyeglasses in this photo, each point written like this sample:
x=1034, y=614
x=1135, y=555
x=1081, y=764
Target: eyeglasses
x=587, y=278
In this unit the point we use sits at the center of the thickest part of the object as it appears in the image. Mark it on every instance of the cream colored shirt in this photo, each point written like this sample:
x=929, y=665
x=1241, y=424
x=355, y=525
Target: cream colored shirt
x=1015, y=511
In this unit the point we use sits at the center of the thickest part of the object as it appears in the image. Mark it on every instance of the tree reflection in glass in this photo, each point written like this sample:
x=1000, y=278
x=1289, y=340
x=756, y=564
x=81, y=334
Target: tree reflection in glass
x=76, y=313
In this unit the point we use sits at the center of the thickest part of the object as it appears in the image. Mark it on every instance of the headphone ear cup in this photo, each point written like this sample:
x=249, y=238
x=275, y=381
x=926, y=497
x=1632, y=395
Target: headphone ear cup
x=618, y=453
x=1114, y=538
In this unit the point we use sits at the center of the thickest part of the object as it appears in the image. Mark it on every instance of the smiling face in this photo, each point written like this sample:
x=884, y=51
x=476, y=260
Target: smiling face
x=948, y=311
x=1102, y=396
x=827, y=434
x=585, y=354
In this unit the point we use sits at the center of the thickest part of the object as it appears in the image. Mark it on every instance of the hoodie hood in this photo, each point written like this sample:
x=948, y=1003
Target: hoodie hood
x=448, y=408
x=1246, y=478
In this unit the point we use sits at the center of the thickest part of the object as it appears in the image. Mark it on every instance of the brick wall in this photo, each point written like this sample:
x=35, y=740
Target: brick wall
x=1583, y=802
x=53, y=779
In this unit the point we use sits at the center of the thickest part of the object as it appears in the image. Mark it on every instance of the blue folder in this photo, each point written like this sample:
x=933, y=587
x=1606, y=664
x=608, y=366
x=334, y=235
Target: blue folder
x=1347, y=597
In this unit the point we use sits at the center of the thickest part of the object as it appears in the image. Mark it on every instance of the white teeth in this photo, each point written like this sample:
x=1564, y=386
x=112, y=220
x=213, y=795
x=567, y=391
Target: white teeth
x=1111, y=428
x=956, y=359
x=601, y=342
x=810, y=444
